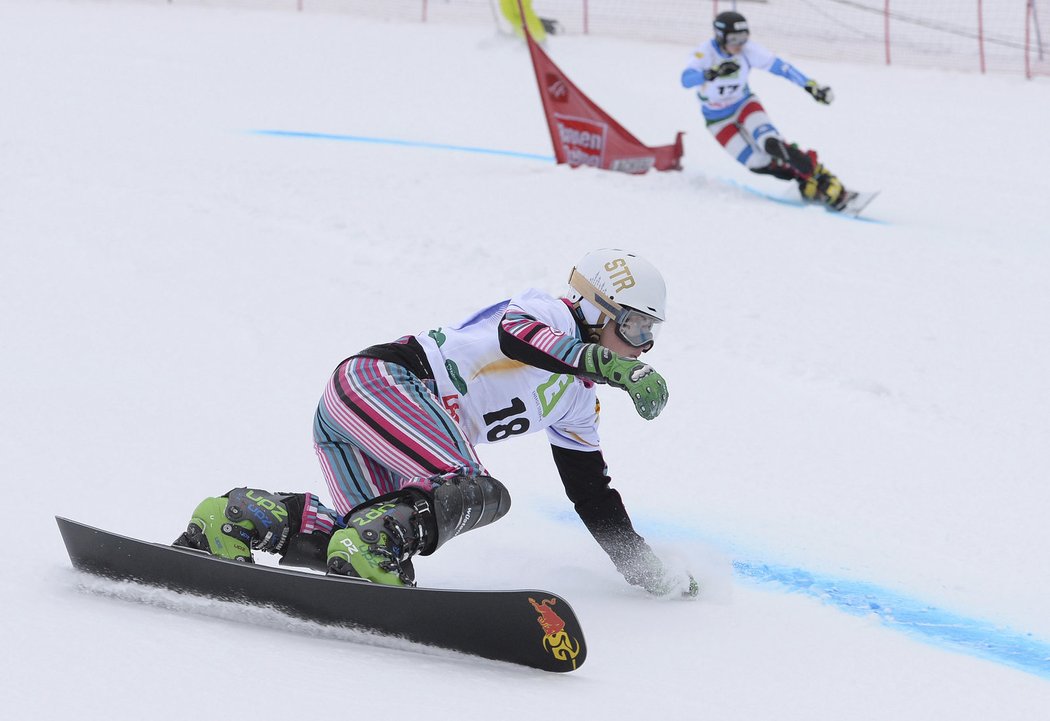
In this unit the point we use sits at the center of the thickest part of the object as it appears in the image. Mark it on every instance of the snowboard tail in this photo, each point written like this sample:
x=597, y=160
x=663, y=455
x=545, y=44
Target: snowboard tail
x=529, y=627
x=856, y=201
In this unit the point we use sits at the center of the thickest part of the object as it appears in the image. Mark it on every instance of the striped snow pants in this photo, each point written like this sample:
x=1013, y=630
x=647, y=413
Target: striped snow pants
x=380, y=428
x=743, y=133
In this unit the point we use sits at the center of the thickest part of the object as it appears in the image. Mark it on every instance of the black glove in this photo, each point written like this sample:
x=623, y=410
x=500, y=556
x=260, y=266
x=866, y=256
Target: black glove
x=720, y=71
x=822, y=94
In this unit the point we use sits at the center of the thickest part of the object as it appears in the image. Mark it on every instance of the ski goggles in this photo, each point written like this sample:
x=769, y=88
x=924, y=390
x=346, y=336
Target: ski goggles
x=738, y=39
x=636, y=328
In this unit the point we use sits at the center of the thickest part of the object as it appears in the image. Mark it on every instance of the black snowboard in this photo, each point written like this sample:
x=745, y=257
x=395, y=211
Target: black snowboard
x=532, y=628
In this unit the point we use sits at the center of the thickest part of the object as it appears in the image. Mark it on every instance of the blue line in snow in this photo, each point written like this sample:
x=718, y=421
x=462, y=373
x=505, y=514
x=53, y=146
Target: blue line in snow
x=400, y=142
x=920, y=620
x=927, y=623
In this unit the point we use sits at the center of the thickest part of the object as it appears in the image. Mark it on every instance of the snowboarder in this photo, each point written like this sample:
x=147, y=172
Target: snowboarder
x=539, y=27
x=734, y=115
x=397, y=426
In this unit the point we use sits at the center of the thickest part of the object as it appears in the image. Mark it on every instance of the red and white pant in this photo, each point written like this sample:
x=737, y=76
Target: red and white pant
x=744, y=131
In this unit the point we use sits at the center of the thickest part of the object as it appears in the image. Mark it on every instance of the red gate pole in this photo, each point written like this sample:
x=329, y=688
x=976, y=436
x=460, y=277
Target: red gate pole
x=980, y=30
x=1027, y=39
x=886, y=28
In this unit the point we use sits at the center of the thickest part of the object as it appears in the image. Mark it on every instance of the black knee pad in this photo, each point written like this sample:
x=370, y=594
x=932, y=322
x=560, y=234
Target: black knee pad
x=791, y=155
x=464, y=503
x=776, y=148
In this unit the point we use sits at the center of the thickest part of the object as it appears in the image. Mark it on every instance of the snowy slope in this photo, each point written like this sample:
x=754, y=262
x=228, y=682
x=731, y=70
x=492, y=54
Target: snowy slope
x=864, y=403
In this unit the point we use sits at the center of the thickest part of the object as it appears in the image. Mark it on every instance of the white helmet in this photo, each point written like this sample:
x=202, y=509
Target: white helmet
x=611, y=284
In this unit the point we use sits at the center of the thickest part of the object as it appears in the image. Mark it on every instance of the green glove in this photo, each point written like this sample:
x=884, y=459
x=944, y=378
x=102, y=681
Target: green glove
x=648, y=388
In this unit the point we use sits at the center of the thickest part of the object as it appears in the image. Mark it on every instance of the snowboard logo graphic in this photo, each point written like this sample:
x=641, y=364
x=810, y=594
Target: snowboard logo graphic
x=556, y=639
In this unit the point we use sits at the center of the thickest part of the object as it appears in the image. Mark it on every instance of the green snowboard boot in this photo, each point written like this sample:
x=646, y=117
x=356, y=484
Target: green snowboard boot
x=210, y=530
x=231, y=526
x=378, y=543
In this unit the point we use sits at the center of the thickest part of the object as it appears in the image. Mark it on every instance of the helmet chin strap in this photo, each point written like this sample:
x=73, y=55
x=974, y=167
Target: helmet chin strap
x=589, y=316
x=590, y=320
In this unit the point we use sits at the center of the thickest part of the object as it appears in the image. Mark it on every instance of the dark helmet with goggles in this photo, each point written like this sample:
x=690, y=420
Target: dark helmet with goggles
x=731, y=29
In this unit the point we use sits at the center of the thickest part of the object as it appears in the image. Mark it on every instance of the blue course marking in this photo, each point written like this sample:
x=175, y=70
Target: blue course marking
x=920, y=620
x=942, y=628
x=402, y=143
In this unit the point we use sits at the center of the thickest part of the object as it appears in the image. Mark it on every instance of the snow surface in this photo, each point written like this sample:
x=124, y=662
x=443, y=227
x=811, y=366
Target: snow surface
x=857, y=432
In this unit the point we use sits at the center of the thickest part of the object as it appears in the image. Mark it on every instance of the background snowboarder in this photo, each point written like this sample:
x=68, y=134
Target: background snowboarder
x=719, y=69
